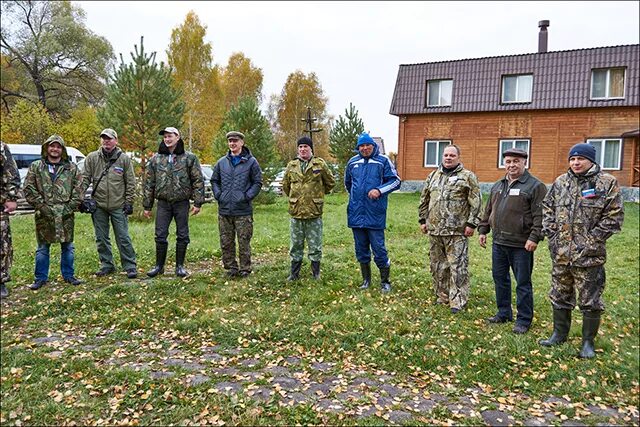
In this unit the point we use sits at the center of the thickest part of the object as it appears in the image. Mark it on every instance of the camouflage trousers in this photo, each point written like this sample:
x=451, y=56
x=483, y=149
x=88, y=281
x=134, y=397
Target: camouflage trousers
x=587, y=281
x=231, y=227
x=6, y=257
x=309, y=230
x=450, y=269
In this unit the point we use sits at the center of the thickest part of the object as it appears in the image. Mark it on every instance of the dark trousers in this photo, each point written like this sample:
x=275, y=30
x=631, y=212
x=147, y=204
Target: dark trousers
x=520, y=261
x=168, y=211
x=367, y=239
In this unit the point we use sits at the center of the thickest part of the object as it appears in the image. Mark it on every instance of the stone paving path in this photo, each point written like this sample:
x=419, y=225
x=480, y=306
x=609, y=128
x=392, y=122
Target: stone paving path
x=326, y=386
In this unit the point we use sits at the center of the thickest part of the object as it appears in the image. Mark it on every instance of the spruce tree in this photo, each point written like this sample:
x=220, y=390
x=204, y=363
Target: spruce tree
x=141, y=100
x=344, y=136
x=246, y=117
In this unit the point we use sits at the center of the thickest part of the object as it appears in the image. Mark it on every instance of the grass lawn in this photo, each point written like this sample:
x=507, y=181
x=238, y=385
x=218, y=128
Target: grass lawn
x=82, y=355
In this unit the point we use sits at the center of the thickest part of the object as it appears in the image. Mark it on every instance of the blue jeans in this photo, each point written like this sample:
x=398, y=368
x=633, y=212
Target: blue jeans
x=365, y=240
x=42, y=261
x=520, y=261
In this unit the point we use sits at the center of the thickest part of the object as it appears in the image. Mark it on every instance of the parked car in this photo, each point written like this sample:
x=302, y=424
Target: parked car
x=25, y=154
x=276, y=184
x=207, y=171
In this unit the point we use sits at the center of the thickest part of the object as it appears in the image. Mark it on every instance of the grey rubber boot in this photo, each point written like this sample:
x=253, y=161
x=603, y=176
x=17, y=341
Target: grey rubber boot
x=561, y=327
x=161, y=257
x=295, y=271
x=365, y=269
x=590, y=326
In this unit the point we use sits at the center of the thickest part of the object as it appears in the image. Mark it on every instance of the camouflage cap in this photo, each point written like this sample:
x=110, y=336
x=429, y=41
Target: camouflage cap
x=235, y=134
x=110, y=133
x=55, y=138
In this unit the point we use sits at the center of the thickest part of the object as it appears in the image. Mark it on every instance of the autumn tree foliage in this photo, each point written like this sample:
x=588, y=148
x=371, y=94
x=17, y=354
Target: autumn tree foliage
x=199, y=81
x=240, y=79
x=141, y=100
x=50, y=57
x=27, y=123
x=299, y=92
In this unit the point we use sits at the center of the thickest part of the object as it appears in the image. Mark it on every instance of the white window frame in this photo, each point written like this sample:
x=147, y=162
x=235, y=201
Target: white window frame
x=608, y=82
x=604, y=141
x=439, y=81
x=437, y=143
x=513, y=142
x=518, y=79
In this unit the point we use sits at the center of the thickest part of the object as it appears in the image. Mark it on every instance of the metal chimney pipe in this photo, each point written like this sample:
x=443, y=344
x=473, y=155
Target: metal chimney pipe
x=543, y=36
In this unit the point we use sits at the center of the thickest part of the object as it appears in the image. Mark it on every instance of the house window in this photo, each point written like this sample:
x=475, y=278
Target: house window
x=608, y=152
x=607, y=83
x=439, y=93
x=433, y=151
x=506, y=144
x=517, y=88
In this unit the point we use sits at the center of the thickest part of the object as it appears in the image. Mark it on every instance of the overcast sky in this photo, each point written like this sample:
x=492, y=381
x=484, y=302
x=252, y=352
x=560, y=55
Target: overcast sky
x=355, y=48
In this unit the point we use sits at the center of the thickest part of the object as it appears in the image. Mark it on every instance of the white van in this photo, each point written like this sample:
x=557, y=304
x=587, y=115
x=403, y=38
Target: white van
x=25, y=154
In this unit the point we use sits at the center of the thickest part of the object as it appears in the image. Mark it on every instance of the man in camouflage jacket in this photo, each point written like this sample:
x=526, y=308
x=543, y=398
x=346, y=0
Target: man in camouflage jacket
x=9, y=194
x=53, y=186
x=173, y=176
x=306, y=180
x=581, y=211
x=449, y=212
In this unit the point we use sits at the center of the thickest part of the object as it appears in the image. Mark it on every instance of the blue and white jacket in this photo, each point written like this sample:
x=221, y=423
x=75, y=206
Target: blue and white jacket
x=363, y=175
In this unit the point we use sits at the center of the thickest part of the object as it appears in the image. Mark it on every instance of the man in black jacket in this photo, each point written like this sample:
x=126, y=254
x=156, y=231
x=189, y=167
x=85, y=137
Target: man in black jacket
x=236, y=181
x=514, y=212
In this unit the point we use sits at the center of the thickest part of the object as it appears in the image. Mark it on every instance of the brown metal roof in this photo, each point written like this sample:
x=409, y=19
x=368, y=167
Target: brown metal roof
x=561, y=79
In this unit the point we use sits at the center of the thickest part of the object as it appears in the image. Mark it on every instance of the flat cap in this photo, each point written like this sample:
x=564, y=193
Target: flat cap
x=110, y=133
x=170, y=130
x=515, y=152
x=235, y=134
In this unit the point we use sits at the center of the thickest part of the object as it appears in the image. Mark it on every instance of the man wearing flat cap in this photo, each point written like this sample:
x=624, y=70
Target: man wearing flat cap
x=581, y=211
x=514, y=215
x=236, y=181
x=110, y=171
x=306, y=180
x=173, y=177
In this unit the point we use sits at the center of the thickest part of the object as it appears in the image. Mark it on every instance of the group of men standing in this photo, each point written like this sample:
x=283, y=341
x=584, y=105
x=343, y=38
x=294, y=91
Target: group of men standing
x=580, y=212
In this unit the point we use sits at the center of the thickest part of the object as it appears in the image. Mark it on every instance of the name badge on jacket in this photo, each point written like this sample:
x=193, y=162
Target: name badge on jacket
x=514, y=192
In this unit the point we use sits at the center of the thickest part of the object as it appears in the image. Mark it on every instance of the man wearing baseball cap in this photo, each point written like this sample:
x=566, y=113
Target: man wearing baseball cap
x=514, y=214
x=236, y=180
x=581, y=211
x=110, y=171
x=173, y=177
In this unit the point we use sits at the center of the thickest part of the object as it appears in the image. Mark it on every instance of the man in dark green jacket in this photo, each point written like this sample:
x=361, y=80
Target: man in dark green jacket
x=514, y=214
x=306, y=180
x=9, y=194
x=110, y=171
x=173, y=177
x=53, y=186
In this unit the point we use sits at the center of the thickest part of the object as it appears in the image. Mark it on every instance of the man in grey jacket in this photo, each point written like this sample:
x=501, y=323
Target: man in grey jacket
x=236, y=181
x=514, y=213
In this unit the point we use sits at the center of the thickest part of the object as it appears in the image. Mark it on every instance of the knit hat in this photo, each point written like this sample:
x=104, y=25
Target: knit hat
x=587, y=151
x=305, y=140
x=364, y=138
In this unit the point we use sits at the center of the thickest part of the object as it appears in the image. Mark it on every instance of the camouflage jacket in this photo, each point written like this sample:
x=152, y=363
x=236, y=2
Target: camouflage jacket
x=117, y=186
x=54, y=200
x=306, y=189
x=578, y=221
x=10, y=190
x=173, y=177
x=450, y=202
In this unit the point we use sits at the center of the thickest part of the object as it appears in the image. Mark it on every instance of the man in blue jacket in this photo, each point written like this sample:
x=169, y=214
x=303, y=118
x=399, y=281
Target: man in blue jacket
x=236, y=181
x=369, y=177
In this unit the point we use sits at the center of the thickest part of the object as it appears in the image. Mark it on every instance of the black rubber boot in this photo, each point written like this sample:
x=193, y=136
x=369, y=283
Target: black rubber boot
x=4, y=292
x=315, y=269
x=161, y=257
x=295, y=271
x=590, y=326
x=365, y=269
x=181, y=253
x=385, y=285
x=561, y=327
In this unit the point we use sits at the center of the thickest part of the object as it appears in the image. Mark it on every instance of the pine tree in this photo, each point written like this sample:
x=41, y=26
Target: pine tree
x=344, y=136
x=141, y=100
x=247, y=118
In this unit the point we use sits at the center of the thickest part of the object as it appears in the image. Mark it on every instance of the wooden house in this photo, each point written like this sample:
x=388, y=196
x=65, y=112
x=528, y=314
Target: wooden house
x=542, y=102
